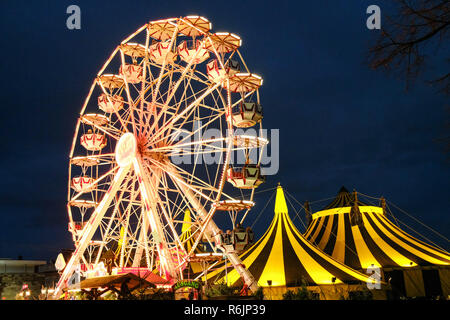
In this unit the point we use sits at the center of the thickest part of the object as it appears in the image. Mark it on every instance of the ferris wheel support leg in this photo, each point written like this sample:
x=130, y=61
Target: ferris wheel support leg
x=90, y=229
x=140, y=249
x=214, y=232
x=143, y=242
x=154, y=220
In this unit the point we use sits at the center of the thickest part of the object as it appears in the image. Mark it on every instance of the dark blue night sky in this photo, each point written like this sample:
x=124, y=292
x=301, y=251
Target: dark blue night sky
x=340, y=122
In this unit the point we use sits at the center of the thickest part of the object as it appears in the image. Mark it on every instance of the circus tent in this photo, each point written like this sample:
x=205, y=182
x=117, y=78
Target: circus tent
x=186, y=232
x=361, y=236
x=283, y=258
x=188, y=241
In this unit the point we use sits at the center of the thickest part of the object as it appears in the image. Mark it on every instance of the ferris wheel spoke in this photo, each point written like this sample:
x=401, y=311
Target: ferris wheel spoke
x=171, y=210
x=143, y=243
x=127, y=90
x=148, y=85
x=155, y=92
x=145, y=115
x=196, y=154
x=173, y=133
x=184, y=187
x=164, y=196
x=213, y=117
x=186, y=202
x=163, y=113
x=175, y=174
x=199, y=131
x=197, y=76
x=141, y=98
x=176, y=111
x=205, y=143
x=207, y=186
x=168, y=216
x=186, y=70
x=109, y=133
x=189, y=108
x=204, y=216
x=181, y=202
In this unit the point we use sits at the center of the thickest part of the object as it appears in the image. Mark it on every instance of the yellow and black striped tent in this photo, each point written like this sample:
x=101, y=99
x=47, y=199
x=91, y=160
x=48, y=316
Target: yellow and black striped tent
x=188, y=241
x=362, y=236
x=186, y=232
x=283, y=258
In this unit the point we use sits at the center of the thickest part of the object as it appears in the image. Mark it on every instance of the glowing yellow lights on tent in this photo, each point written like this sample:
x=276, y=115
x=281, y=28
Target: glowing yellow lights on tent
x=374, y=241
x=120, y=243
x=188, y=241
x=362, y=236
x=282, y=257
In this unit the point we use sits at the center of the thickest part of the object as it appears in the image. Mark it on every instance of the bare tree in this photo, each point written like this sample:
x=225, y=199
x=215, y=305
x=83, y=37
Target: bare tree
x=416, y=34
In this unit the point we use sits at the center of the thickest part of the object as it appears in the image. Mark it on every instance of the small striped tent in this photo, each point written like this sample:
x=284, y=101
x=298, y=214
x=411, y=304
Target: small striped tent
x=186, y=232
x=283, y=258
x=361, y=236
x=188, y=241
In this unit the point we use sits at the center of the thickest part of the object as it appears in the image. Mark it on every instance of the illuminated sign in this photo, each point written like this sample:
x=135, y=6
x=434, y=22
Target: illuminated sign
x=186, y=283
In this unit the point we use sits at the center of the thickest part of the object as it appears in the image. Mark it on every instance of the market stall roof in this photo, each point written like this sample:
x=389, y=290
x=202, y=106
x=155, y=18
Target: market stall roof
x=132, y=280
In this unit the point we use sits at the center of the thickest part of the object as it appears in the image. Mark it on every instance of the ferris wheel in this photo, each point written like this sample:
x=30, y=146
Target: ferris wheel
x=158, y=134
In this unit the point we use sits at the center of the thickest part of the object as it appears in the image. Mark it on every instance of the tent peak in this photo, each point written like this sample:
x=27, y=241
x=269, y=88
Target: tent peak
x=344, y=198
x=280, y=201
x=343, y=190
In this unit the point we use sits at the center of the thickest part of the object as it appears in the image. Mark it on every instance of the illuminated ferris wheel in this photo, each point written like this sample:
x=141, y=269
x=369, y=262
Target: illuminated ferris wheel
x=161, y=132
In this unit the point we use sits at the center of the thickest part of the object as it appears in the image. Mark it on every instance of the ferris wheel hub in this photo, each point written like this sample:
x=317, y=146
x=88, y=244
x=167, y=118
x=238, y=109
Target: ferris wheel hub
x=160, y=157
x=126, y=149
